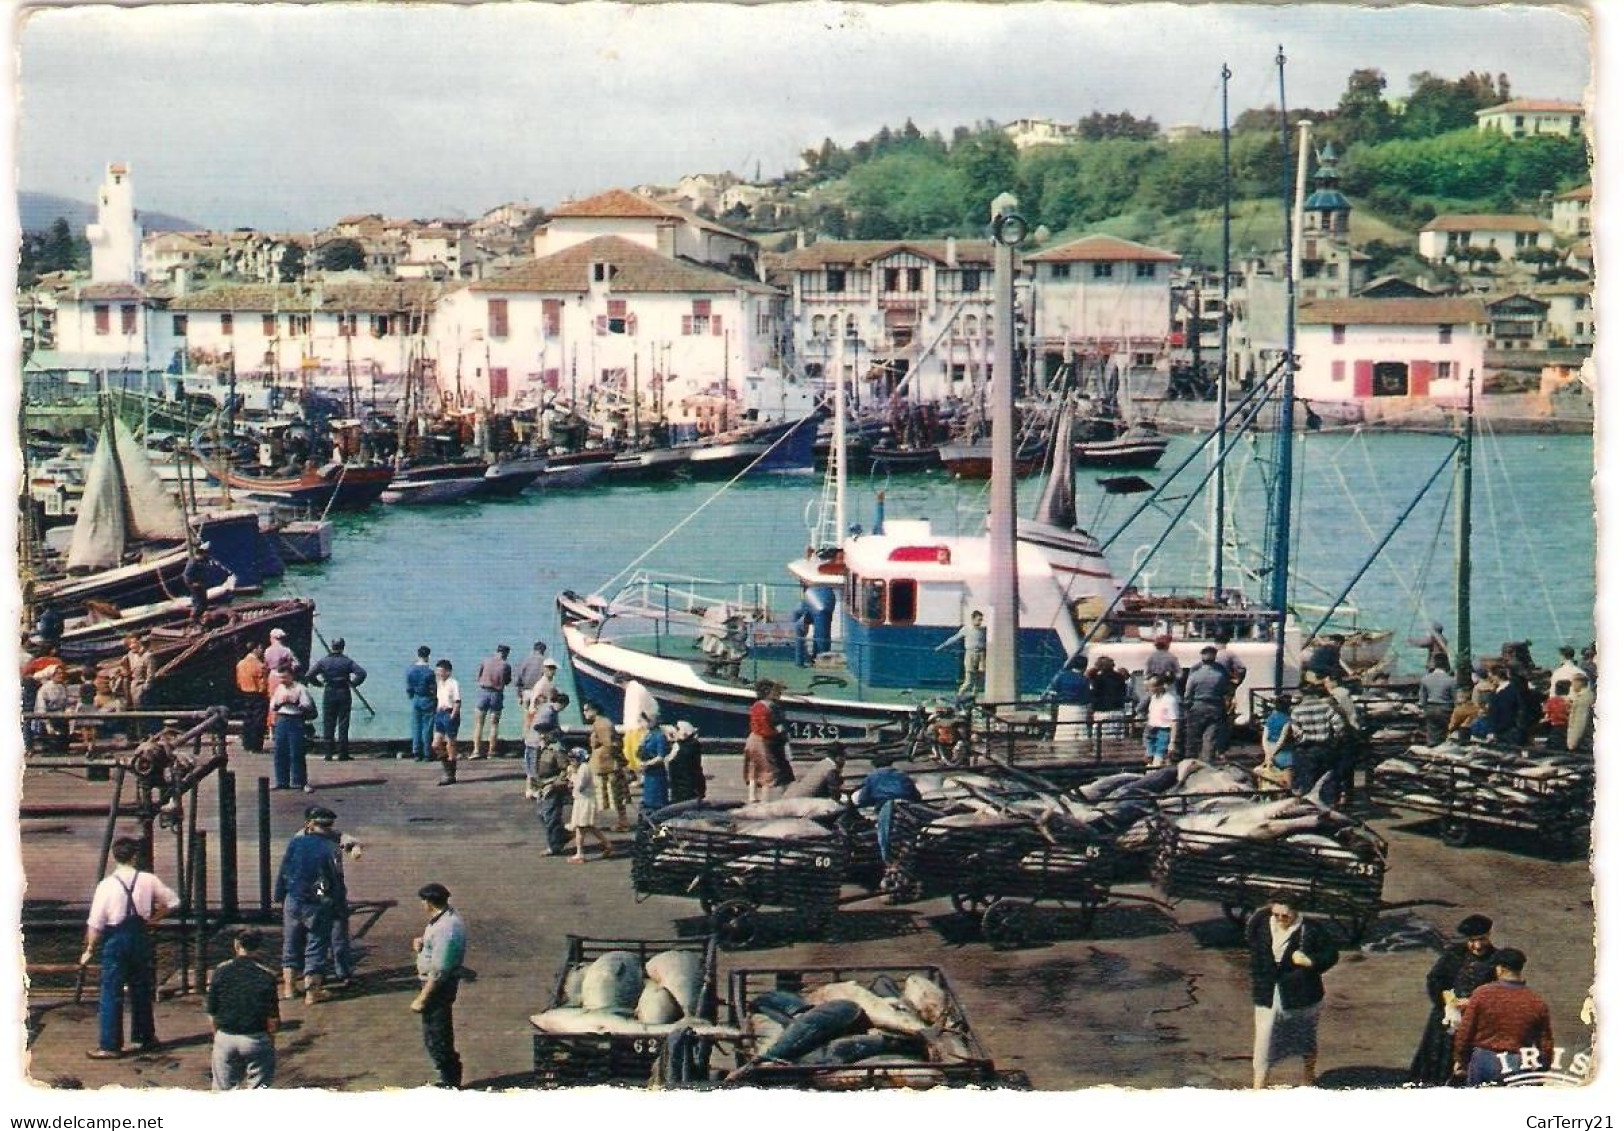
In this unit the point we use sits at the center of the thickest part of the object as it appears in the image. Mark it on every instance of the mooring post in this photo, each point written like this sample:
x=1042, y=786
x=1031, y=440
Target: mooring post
x=265, y=847
x=227, y=786
x=200, y=905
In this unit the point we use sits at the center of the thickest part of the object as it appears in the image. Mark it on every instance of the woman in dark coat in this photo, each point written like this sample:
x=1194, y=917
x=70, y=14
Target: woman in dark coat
x=1460, y=969
x=686, y=765
x=1289, y=954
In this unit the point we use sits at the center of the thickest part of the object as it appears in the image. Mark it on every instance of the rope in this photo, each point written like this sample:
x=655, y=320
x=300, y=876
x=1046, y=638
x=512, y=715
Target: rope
x=720, y=491
x=1499, y=548
x=1533, y=553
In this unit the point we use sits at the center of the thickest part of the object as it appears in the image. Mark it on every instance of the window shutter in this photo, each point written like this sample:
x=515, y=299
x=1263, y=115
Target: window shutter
x=1420, y=378
x=549, y=378
x=617, y=308
x=267, y=325
x=631, y=323
x=1364, y=377
x=702, y=308
x=497, y=317
x=687, y=325
x=1339, y=371
x=602, y=324
x=499, y=383
x=103, y=316
x=716, y=325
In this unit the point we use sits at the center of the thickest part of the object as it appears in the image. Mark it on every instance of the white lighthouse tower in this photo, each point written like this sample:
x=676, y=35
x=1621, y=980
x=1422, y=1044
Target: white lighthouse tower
x=115, y=237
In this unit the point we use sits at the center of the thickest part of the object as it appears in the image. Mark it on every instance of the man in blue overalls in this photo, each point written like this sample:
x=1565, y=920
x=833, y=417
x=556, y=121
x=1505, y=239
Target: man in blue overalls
x=125, y=904
x=420, y=691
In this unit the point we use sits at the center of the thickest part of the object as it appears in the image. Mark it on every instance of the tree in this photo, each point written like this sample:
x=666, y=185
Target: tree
x=292, y=264
x=1438, y=106
x=60, y=251
x=1362, y=114
x=986, y=163
x=1100, y=127
x=341, y=255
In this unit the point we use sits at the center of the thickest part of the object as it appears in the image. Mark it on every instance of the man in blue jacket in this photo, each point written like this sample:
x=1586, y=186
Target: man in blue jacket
x=420, y=692
x=310, y=887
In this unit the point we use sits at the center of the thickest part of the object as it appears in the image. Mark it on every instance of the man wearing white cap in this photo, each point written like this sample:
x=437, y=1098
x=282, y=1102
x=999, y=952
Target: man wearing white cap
x=279, y=654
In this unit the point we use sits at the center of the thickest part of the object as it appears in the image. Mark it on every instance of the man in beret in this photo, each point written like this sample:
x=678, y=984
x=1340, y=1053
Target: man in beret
x=1206, y=707
x=440, y=950
x=1503, y=1026
x=1459, y=971
x=310, y=887
x=336, y=674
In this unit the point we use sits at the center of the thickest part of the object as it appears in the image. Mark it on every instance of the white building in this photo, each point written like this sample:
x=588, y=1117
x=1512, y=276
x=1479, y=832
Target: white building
x=115, y=237
x=607, y=315
x=886, y=311
x=1361, y=349
x=662, y=228
x=450, y=248
x=1446, y=238
x=123, y=324
x=1526, y=117
x=1570, y=213
x=1550, y=316
x=1106, y=296
x=1028, y=133
x=319, y=332
x=165, y=253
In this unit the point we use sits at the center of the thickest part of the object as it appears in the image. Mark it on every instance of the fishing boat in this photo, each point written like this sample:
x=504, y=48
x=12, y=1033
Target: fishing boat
x=778, y=447
x=574, y=469
x=1116, y=444
x=124, y=510
x=99, y=633
x=973, y=460
x=902, y=458
x=435, y=484
x=334, y=487
x=508, y=475
x=196, y=666
x=648, y=463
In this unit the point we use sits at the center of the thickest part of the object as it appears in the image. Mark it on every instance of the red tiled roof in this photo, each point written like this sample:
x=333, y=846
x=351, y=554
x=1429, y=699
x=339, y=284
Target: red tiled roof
x=1392, y=312
x=291, y=298
x=111, y=291
x=1582, y=251
x=1486, y=223
x=617, y=204
x=1102, y=249
x=1580, y=193
x=1533, y=106
x=860, y=253
x=637, y=269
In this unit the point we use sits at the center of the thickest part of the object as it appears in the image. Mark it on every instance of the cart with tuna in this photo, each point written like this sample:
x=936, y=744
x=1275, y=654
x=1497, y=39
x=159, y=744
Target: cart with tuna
x=1476, y=788
x=1240, y=851
x=614, y=1005
x=735, y=867
x=1003, y=867
x=852, y=1028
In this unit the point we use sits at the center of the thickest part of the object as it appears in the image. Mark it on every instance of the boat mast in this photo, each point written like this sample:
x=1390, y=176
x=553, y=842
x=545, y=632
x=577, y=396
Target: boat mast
x=1285, y=433
x=840, y=446
x=726, y=349
x=1463, y=542
x=1218, y=507
x=1003, y=676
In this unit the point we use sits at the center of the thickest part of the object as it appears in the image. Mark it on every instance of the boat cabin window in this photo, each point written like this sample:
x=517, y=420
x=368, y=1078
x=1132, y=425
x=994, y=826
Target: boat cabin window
x=904, y=601
x=870, y=604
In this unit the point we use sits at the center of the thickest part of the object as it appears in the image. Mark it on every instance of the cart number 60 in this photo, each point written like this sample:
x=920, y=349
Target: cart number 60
x=823, y=861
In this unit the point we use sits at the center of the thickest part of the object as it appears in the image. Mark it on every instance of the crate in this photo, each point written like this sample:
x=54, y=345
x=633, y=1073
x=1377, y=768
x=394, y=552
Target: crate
x=733, y=876
x=1343, y=883
x=579, y=1060
x=743, y=985
x=1495, y=787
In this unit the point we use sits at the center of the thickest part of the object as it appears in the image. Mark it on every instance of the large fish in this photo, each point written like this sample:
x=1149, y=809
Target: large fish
x=572, y=984
x=883, y=1013
x=656, y=1005
x=810, y=808
x=569, y=1021
x=782, y=1005
x=1101, y=789
x=925, y=998
x=682, y=974
x=698, y=805
x=783, y=828
x=814, y=1029
x=614, y=981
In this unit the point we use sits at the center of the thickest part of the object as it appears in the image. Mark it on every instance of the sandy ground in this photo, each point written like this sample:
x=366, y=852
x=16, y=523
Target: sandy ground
x=1151, y=997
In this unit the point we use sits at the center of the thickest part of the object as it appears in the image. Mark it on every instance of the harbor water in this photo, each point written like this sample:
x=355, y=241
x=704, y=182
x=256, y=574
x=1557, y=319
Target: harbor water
x=465, y=577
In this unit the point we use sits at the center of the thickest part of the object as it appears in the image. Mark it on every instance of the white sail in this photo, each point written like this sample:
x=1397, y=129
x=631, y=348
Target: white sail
x=98, y=534
x=153, y=513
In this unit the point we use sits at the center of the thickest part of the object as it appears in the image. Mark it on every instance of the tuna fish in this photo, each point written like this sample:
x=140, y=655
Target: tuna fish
x=810, y=808
x=614, y=981
x=572, y=984
x=814, y=1029
x=925, y=998
x=656, y=1005
x=781, y=1005
x=783, y=828
x=682, y=974
x=567, y=1021
x=889, y=1014
x=1101, y=789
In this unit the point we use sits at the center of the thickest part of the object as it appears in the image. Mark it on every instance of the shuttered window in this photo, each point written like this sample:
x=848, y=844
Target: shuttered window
x=180, y=325
x=497, y=316
x=226, y=326
x=552, y=317
x=104, y=319
x=499, y=383
x=126, y=320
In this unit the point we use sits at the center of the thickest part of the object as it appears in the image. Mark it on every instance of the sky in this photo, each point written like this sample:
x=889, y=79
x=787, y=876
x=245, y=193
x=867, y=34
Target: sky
x=283, y=117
